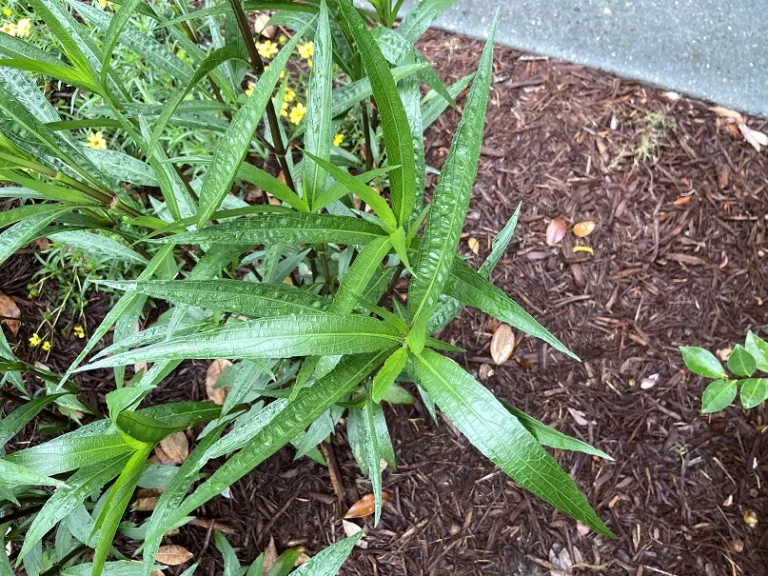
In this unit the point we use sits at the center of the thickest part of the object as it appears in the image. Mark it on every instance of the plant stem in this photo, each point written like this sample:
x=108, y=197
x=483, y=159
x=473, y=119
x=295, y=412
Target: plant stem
x=367, y=134
x=258, y=65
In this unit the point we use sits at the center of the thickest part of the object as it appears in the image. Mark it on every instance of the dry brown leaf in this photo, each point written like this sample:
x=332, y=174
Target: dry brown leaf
x=145, y=503
x=173, y=555
x=583, y=229
x=260, y=24
x=582, y=529
x=270, y=557
x=722, y=176
x=216, y=395
x=502, y=344
x=11, y=313
x=176, y=447
x=727, y=113
x=556, y=231
x=474, y=245
x=683, y=201
x=365, y=506
x=650, y=382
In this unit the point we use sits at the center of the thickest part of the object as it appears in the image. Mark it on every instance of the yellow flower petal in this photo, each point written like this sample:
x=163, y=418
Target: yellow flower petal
x=96, y=141
x=307, y=50
x=7, y=12
x=35, y=340
x=297, y=113
x=338, y=139
x=46, y=346
x=23, y=27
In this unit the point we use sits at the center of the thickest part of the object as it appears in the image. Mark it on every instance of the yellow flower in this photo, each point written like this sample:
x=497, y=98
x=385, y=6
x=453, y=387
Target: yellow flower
x=282, y=39
x=338, y=139
x=7, y=12
x=290, y=95
x=96, y=141
x=307, y=50
x=35, y=340
x=23, y=27
x=79, y=332
x=284, y=109
x=9, y=28
x=266, y=49
x=297, y=113
x=47, y=346
x=104, y=4
x=249, y=90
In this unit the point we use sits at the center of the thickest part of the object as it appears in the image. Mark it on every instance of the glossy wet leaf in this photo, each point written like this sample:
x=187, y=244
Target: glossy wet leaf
x=753, y=392
x=279, y=337
x=18, y=475
x=758, y=348
x=718, y=395
x=449, y=204
x=741, y=362
x=702, y=362
x=386, y=376
x=16, y=420
x=499, y=435
x=328, y=561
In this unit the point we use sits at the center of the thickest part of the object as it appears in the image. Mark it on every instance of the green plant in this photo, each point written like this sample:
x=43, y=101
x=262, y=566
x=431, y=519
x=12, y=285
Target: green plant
x=743, y=364
x=300, y=291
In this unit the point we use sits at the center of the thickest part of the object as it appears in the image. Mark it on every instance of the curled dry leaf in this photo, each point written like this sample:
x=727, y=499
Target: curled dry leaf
x=649, y=382
x=216, y=395
x=176, y=447
x=502, y=344
x=350, y=529
x=10, y=313
x=173, y=555
x=365, y=506
x=474, y=245
x=583, y=229
x=755, y=138
x=556, y=231
x=270, y=556
x=146, y=500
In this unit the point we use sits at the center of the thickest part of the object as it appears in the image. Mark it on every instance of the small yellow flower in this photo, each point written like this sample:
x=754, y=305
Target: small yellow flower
x=307, y=50
x=35, y=340
x=23, y=27
x=47, y=346
x=249, y=90
x=282, y=39
x=290, y=95
x=297, y=113
x=266, y=49
x=7, y=12
x=284, y=109
x=338, y=139
x=9, y=28
x=96, y=141
x=79, y=332
x=104, y=4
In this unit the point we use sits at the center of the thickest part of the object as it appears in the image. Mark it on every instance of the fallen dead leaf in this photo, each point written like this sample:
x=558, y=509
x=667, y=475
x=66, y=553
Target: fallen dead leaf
x=556, y=231
x=260, y=24
x=724, y=353
x=11, y=313
x=578, y=416
x=216, y=395
x=474, y=245
x=270, y=556
x=650, y=382
x=350, y=529
x=683, y=201
x=365, y=506
x=728, y=113
x=502, y=344
x=146, y=500
x=755, y=138
x=583, y=229
x=485, y=371
x=176, y=447
x=173, y=555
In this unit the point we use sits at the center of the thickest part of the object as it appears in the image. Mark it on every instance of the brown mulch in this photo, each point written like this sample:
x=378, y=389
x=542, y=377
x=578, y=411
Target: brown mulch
x=678, y=251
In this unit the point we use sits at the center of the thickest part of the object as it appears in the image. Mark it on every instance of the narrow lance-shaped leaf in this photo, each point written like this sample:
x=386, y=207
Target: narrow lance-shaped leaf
x=119, y=497
x=116, y=25
x=211, y=62
x=389, y=372
x=248, y=298
x=285, y=228
x=80, y=485
x=233, y=146
x=16, y=420
x=24, y=232
x=61, y=30
x=422, y=16
x=307, y=407
x=450, y=203
x=319, y=128
x=18, y=475
x=329, y=561
x=371, y=448
x=500, y=436
x=269, y=183
x=278, y=337
x=548, y=436
x=394, y=121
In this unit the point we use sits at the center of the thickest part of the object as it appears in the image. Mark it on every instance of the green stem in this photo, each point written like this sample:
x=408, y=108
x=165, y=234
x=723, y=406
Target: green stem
x=367, y=135
x=258, y=65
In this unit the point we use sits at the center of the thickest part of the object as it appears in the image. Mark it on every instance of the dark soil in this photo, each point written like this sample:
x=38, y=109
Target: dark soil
x=678, y=252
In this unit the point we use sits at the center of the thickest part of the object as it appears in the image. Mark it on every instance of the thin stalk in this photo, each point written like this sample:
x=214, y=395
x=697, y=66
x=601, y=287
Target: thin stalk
x=258, y=65
x=367, y=134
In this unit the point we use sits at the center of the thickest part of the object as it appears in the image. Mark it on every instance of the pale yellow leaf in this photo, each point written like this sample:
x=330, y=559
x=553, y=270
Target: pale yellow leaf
x=502, y=344
x=583, y=229
x=176, y=447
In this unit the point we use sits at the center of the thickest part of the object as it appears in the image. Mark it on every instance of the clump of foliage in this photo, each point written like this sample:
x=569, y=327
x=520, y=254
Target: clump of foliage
x=744, y=363
x=299, y=289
